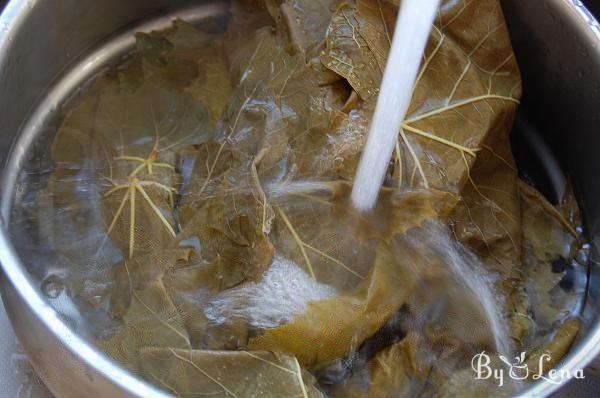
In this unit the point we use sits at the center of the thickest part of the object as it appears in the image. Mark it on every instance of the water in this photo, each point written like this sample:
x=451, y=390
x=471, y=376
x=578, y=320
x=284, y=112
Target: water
x=413, y=27
x=52, y=287
x=475, y=296
x=456, y=292
x=468, y=271
x=283, y=293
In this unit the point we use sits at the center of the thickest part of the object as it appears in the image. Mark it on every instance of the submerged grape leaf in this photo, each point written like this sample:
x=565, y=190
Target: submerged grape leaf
x=323, y=234
x=125, y=143
x=547, y=241
x=139, y=298
x=398, y=371
x=135, y=273
x=231, y=222
x=212, y=87
x=187, y=373
x=556, y=347
x=455, y=112
x=339, y=154
x=190, y=288
x=358, y=40
x=151, y=320
x=306, y=22
x=320, y=230
x=467, y=88
x=549, y=234
x=451, y=297
x=462, y=383
x=281, y=105
x=488, y=221
x=273, y=130
x=455, y=134
x=168, y=56
x=488, y=217
x=331, y=328
x=115, y=158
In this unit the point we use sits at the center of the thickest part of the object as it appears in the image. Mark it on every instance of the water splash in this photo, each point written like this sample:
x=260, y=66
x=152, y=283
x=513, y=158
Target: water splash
x=468, y=275
x=283, y=293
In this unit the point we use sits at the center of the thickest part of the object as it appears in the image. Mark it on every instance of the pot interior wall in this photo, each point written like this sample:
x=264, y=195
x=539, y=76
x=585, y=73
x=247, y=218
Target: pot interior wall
x=558, y=121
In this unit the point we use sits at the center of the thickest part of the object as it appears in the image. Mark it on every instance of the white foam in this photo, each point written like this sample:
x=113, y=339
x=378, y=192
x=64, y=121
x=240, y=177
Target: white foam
x=283, y=293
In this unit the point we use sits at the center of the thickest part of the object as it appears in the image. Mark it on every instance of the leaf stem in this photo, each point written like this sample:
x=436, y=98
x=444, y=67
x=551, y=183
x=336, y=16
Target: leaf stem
x=439, y=139
x=460, y=104
x=290, y=227
x=415, y=158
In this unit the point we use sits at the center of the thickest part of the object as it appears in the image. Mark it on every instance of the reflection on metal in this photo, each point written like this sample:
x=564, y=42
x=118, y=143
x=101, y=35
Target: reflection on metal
x=587, y=17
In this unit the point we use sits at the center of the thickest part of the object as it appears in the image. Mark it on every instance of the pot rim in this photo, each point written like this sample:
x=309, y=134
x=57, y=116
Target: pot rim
x=13, y=270
x=11, y=20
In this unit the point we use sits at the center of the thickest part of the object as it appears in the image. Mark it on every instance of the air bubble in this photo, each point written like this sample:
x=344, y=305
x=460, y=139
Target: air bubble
x=52, y=286
x=582, y=257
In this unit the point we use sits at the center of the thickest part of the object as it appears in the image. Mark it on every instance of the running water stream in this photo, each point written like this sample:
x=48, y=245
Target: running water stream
x=413, y=27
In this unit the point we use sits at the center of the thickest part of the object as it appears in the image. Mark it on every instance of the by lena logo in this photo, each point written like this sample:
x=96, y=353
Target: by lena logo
x=519, y=369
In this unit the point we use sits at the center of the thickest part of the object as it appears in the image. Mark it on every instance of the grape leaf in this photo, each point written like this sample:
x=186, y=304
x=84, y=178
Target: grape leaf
x=123, y=144
x=232, y=222
x=549, y=234
x=467, y=88
x=305, y=23
x=398, y=371
x=187, y=373
x=281, y=105
x=139, y=298
x=135, y=273
x=151, y=320
x=547, y=240
x=488, y=217
x=556, y=347
x=168, y=56
x=189, y=288
x=488, y=220
x=321, y=231
x=358, y=40
x=331, y=328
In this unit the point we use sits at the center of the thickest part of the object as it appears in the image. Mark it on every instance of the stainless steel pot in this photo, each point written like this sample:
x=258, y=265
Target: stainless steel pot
x=558, y=47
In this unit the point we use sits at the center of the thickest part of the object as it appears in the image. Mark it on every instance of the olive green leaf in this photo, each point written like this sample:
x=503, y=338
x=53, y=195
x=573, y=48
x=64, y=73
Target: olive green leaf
x=467, y=88
x=321, y=231
x=331, y=328
x=547, y=241
x=232, y=219
x=397, y=371
x=151, y=320
x=187, y=373
x=305, y=23
x=125, y=141
x=556, y=347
